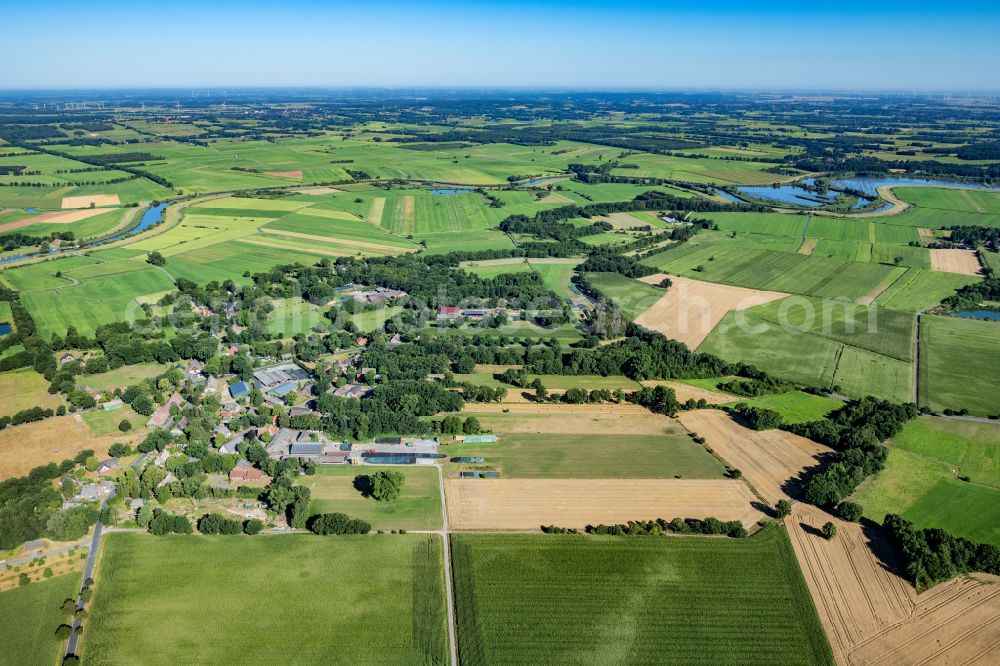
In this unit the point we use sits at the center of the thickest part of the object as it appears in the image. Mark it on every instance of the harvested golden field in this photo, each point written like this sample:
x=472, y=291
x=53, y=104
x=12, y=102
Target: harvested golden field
x=623, y=221
x=91, y=199
x=691, y=308
x=767, y=459
x=23, y=389
x=530, y=417
x=52, y=440
x=956, y=261
x=556, y=198
x=526, y=504
x=954, y=623
x=856, y=594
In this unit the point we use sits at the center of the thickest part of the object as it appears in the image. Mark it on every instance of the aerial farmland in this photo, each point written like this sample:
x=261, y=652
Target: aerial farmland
x=610, y=365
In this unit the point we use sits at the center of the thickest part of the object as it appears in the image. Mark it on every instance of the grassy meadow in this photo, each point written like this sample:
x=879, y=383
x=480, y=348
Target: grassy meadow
x=288, y=599
x=418, y=507
x=575, y=456
x=959, y=364
x=29, y=616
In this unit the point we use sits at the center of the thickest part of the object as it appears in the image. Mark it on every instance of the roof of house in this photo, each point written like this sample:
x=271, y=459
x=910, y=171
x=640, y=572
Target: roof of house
x=449, y=310
x=280, y=374
x=306, y=449
x=284, y=389
x=245, y=471
x=239, y=390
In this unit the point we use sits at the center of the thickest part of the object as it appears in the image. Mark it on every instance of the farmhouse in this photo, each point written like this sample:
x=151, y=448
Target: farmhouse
x=107, y=467
x=244, y=471
x=161, y=417
x=112, y=405
x=353, y=391
x=449, y=313
x=306, y=449
x=268, y=378
x=282, y=390
x=239, y=390
x=212, y=385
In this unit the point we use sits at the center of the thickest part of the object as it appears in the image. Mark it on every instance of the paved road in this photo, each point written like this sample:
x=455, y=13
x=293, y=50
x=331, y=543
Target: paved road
x=88, y=572
x=25, y=560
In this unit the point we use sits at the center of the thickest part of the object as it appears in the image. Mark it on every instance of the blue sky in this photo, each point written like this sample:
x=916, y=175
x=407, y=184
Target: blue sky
x=881, y=45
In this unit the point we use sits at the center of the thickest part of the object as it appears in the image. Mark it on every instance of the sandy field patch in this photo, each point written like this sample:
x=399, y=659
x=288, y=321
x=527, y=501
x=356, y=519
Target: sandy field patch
x=624, y=221
x=691, y=308
x=767, y=458
x=956, y=261
x=312, y=250
x=926, y=235
x=96, y=199
x=318, y=191
x=378, y=207
x=56, y=217
x=870, y=297
x=338, y=241
x=808, y=245
x=51, y=440
x=409, y=206
x=685, y=392
x=527, y=504
x=297, y=174
x=556, y=198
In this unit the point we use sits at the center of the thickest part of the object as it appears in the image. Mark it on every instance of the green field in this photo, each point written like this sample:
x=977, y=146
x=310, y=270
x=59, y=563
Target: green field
x=926, y=491
x=796, y=406
x=22, y=389
x=972, y=447
x=631, y=296
x=823, y=343
x=593, y=456
x=581, y=599
x=29, y=616
x=94, y=302
x=103, y=423
x=920, y=289
x=730, y=263
x=121, y=377
x=418, y=508
x=269, y=599
x=959, y=364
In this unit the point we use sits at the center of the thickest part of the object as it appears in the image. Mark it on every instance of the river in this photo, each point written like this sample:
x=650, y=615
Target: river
x=149, y=218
